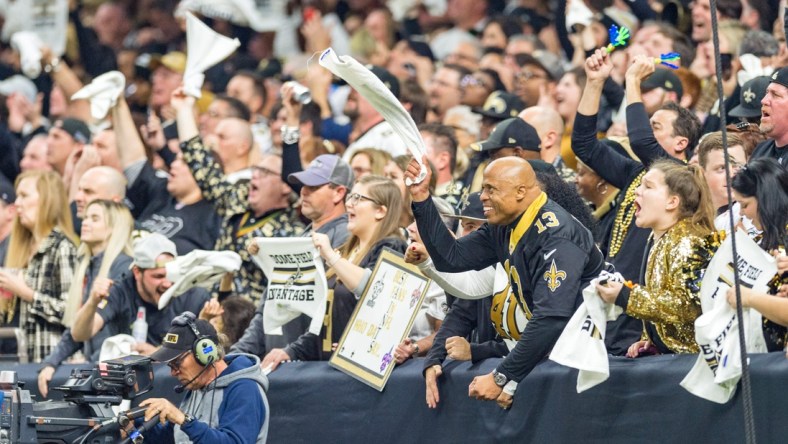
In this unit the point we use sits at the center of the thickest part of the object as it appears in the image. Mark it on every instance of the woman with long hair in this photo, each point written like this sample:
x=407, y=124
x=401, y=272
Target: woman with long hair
x=761, y=189
x=673, y=201
x=373, y=208
x=40, y=261
x=105, y=252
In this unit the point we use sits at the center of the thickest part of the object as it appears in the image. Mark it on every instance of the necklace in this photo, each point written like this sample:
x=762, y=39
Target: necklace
x=624, y=216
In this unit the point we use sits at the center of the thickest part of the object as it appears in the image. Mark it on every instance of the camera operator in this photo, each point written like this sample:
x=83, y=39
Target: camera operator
x=226, y=399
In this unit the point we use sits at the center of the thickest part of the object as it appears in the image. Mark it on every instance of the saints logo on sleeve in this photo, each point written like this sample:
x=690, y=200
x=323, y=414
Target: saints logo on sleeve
x=554, y=276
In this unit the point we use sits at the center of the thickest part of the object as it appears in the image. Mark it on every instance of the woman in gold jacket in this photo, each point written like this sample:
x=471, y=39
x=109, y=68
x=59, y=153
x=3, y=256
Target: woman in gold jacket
x=673, y=201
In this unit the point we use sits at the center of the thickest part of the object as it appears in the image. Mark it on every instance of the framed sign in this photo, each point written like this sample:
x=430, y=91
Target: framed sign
x=382, y=319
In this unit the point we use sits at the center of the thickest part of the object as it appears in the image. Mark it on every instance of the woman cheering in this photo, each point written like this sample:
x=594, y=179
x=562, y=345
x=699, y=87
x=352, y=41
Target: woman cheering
x=373, y=208
x=40, y=261
x=673, y=201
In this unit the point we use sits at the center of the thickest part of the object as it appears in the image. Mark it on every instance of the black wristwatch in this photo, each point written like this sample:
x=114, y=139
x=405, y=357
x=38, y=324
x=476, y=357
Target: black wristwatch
x=499, y=378
x=187, y=418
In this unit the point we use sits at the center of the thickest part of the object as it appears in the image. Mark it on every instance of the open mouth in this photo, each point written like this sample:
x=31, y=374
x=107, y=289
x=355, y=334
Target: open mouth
x=637, y=208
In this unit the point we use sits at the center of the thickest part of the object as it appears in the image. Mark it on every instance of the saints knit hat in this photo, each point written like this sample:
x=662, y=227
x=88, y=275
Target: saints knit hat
x=781, y=76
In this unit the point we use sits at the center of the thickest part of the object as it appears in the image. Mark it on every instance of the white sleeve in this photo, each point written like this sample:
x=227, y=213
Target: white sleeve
x=470, y=284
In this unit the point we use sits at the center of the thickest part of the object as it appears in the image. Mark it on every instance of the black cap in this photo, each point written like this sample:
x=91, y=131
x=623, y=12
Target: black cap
x=752, y=92
x=781, y=76
x=7, y=193
x=471, y=208
x=501, y=105
x=540, y=166
x=387, y=78
x=181, y=338
x=76, y=128
x=515, y=133
x=665, y=79
x=420, y=46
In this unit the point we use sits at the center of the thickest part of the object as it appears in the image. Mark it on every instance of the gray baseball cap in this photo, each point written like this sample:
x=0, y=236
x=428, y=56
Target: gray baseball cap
x=150, y=247
x=19, y=84
x=326, y=168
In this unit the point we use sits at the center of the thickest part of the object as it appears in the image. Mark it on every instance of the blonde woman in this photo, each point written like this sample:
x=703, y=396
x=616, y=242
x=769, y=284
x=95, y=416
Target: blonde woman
x=373, y=208
x=40, y=261
x=105, y=252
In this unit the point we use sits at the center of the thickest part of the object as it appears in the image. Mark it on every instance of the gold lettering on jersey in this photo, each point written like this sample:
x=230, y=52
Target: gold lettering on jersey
x=516, y=287
x=553, y=277
x=549, y=221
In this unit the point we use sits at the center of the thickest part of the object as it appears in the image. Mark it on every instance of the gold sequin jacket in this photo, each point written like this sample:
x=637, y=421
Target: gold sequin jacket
x=670, y=299
x=239, y=225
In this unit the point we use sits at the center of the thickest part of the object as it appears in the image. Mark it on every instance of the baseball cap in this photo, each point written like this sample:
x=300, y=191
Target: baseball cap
x=546, y=60
x=326, y=168
x=7, y=193
x=75, y=128
x=471, y=208
x=752, y=92
x=387, y=78
x=665, y=79
x=174, y=61
x=19, y=84
x=181, y=338
x=420, y=46
x=501, y=105
x=148, y=248
x=513, y=132
x=780, y=76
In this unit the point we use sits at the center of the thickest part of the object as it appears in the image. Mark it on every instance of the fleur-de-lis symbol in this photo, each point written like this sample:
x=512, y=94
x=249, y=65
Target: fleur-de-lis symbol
x=749, y=95
x=553, y=277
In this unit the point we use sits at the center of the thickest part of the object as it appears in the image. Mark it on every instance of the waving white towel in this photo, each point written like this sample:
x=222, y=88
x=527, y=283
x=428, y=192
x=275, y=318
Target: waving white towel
x=582, y=343
x=198, y=268
x=103, y=93
x=206, y=48
x=381, y=98
x=260, y=16
x=28, y=45
x=751, y=68
x=718, y=367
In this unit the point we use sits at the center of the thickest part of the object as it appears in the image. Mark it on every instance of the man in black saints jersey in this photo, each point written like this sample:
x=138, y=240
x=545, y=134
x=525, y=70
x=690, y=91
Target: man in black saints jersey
x=549, y=257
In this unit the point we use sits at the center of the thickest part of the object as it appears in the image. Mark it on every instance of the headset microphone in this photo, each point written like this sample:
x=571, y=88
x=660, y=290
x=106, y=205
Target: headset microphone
x=181, y=387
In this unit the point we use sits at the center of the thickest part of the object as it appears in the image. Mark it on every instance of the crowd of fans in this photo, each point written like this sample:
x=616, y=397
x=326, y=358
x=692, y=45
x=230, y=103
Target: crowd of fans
x=518, y=107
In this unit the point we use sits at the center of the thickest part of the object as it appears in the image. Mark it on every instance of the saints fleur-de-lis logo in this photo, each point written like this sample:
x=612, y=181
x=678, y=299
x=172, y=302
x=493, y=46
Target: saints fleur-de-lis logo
x=553, y=276
x=749, y=95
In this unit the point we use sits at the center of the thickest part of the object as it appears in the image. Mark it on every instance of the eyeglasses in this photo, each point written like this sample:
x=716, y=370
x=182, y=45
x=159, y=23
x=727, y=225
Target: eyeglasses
x=470, y=80
x=527, y=74
x=353, y=198
x=265, y=171
x=175, y=364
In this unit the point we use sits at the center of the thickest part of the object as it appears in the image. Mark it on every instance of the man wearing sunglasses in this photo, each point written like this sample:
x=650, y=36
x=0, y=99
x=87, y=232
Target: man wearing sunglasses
x=225, y=400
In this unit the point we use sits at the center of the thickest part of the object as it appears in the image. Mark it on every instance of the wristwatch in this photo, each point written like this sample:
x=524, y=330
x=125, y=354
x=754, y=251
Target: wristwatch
x=187, y=418
x=499, y=378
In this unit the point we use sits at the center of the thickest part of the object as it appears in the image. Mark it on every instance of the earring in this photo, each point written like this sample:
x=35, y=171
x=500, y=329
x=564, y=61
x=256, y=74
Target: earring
x=602, y=192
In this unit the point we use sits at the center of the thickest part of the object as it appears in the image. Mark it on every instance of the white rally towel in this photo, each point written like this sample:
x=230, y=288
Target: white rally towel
x=582, y=343
x=718, y=367
x=381, y=98
x=261, y=16
x=205, y=48
x=296, y=282
x=28, y=45
x=117, y=346
x=46, y=18
x=198, y=268
x=103, y=93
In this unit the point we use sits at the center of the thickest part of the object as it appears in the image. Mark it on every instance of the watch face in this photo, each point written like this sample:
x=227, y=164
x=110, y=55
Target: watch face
x=499, y=378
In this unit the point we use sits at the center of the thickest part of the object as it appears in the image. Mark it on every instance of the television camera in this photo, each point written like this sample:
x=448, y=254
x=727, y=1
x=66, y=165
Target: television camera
x=85, y=415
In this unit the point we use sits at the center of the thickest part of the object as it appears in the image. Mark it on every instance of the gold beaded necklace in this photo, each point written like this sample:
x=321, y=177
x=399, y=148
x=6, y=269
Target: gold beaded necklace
x=624, y=215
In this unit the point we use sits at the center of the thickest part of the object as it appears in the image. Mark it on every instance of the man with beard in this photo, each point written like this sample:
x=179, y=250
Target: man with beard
x=114, y=305
x=774, y=108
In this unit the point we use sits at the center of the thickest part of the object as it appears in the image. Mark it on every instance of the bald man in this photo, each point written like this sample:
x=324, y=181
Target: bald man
x=233, y=146
x=550, y=127
x=101, y=182
x=549, y=257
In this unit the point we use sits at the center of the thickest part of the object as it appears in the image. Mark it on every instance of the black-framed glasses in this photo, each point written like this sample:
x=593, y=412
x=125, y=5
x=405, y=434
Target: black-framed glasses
x=175, y=364
x=353, y=198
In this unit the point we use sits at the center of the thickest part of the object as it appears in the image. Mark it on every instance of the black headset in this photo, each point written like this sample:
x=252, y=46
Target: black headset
x=205, y=348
